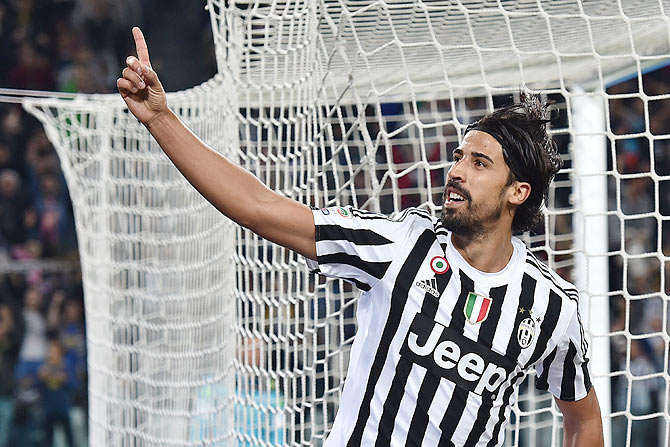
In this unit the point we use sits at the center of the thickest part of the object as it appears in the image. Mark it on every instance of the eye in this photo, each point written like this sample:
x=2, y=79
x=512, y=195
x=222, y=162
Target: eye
x=480, y=163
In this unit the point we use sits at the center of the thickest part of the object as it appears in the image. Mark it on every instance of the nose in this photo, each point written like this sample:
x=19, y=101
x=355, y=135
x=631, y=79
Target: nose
x=456, y=171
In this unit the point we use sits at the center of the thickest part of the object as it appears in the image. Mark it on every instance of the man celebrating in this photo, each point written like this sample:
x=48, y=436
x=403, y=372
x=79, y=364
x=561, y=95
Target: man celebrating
x=455, y=311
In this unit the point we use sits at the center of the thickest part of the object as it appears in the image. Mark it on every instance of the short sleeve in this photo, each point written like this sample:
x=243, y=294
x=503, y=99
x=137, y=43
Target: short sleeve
x=565, y=372
x=355, y=245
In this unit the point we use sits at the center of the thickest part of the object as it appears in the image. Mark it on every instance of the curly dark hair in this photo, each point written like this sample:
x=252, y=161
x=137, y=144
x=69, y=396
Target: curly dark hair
x=530, y=153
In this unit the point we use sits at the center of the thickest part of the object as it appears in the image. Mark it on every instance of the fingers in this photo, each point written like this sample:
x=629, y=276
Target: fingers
x=141, y=46
x=144, y=71
x=134, y=64
x=136, y=82
x=150, y=76
x=135, y=79
x=138, y=74
x=125, y=87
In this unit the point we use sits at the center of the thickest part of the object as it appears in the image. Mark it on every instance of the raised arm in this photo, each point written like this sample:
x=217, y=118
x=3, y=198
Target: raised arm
x=231, y=189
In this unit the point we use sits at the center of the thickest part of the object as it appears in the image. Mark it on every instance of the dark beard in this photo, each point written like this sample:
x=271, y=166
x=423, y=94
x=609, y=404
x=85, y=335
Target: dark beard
x=473, y=226
x=465, y=226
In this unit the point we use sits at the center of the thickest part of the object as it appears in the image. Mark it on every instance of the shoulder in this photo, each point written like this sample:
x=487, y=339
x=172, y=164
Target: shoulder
x=409, y=216
x=404, y=227
x=346, y=223
x=415, y=215
x=406, y=216
x=552, y=280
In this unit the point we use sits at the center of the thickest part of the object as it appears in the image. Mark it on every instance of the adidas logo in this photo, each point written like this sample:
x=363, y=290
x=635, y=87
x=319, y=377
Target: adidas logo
x=430, y=286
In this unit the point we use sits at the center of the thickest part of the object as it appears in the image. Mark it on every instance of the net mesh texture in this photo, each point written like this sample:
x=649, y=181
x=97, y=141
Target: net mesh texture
x=202, y=333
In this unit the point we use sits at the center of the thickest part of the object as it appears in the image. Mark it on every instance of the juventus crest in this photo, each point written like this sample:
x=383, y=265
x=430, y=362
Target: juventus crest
x=526, y=332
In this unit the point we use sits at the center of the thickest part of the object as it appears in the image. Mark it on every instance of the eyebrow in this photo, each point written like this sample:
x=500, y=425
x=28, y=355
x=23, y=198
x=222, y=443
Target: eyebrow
x=474, y=154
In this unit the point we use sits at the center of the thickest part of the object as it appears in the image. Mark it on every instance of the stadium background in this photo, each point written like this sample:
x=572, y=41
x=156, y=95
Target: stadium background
x=79, y=46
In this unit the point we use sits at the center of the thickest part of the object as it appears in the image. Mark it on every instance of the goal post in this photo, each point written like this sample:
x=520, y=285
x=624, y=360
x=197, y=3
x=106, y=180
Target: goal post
x=591, y=270
x=200, y=332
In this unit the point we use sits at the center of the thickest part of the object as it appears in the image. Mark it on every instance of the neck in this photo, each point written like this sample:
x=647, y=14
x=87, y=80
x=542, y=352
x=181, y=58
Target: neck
x=490, y=253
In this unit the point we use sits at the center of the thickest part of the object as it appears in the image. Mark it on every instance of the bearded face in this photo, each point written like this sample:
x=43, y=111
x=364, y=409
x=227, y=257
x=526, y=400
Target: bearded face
x=477, y=182
x=465, y=217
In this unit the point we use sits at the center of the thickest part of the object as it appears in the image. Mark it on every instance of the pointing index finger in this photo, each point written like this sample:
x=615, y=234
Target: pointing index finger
x=141, y=46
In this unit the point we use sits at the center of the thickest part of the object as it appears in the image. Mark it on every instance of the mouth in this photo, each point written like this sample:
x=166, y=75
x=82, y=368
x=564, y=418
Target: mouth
x=454, y=197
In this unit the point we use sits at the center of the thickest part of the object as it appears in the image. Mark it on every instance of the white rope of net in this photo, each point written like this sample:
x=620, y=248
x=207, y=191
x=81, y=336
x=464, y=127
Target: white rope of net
x=304, y=102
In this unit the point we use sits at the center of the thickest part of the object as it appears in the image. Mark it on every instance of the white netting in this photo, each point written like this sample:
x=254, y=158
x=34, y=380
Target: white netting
x=352, y=102
x=154, y=254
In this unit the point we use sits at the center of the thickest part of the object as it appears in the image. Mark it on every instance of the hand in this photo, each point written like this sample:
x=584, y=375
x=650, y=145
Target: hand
x=140, y=87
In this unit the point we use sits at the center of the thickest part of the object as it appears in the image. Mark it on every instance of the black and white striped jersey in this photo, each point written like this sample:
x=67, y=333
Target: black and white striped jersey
x=441, y=347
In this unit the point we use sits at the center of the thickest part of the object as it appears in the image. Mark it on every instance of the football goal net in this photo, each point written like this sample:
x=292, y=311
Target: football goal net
x=202, y=333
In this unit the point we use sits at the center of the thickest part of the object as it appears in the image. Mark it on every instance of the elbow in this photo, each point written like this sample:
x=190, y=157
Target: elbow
x=586, y=432
x=247, y=223
x=257, y=216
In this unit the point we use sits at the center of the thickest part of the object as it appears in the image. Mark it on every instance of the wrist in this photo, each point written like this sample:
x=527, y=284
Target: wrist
x=159, y=120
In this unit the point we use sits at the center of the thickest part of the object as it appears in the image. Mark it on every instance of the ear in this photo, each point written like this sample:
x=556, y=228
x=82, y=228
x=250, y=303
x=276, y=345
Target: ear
x=519, y=192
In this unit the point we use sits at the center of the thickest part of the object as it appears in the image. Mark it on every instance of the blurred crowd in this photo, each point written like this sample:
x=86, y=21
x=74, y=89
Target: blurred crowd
x=73, y=46
x=42, y=341
x=42, y=358
x=79, y=46
x=639, y=276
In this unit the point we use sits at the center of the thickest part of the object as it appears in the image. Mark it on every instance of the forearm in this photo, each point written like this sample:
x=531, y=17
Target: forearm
x=231, y=189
